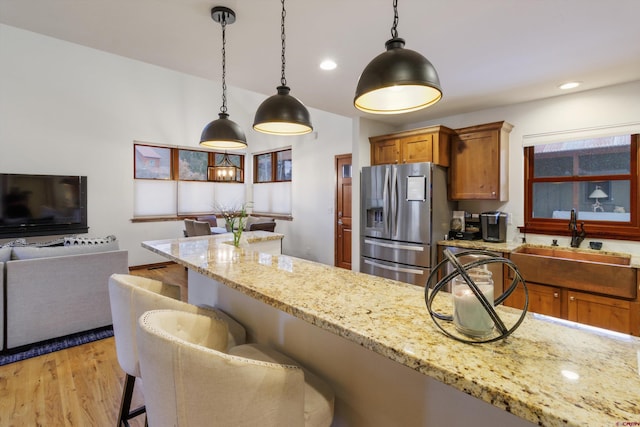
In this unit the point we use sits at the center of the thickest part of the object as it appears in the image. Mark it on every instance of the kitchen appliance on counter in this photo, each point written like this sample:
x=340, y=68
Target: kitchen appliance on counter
x=471, y=229
x=404, y=212
x=494, y=226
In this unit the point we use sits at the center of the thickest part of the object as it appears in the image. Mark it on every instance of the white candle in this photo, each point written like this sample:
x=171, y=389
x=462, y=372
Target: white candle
x=469, y=315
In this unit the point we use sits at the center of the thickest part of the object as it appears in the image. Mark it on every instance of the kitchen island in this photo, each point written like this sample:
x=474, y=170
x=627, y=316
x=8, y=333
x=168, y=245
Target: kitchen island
x=372, y=339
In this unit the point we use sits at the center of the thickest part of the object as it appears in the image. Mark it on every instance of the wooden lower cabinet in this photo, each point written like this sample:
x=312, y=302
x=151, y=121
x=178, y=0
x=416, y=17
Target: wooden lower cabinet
x=543, y=299
x=615, y=314
x=604, y=312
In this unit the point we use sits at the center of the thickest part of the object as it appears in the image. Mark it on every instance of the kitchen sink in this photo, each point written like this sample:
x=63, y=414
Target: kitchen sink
x=576, y=254
x=585, y=270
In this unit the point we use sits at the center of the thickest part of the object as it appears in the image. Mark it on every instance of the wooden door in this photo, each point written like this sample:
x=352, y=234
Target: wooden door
x=343, y=211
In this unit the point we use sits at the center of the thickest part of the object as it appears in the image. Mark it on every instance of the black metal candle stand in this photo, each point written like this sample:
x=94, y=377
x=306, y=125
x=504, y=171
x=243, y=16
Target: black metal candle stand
x=485, y=257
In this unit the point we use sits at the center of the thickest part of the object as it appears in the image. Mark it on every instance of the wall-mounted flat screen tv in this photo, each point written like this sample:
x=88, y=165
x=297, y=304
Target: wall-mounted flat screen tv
x=41, y=205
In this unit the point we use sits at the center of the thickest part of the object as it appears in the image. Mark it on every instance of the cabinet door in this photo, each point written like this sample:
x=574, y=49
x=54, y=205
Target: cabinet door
x=603, y=312
x=384, y=152
x=417, y=148
x=475, y=167
x=543, y=299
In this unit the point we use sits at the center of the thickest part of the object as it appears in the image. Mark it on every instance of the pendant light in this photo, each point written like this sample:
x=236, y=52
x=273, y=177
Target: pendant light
x=282, y=114
x=222, y=132
x=398, y=80
x=225, y=170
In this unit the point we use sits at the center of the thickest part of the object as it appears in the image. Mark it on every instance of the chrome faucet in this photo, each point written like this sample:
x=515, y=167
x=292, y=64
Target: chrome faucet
x=576, y=237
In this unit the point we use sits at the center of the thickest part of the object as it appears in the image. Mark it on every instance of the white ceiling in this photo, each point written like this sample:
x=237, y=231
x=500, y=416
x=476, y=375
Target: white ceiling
x=487, y=52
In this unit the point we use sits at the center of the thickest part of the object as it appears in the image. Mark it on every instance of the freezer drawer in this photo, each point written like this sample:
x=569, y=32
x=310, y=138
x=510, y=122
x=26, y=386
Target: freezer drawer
x=403, y=273
x=396, y=252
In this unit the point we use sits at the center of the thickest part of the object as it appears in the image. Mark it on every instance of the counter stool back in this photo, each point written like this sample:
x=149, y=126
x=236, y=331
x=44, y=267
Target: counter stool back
x=193, y=380
x=130, y=296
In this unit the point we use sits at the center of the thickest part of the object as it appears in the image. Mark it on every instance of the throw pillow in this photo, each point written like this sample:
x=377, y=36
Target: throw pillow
x=31, y=252
x=5, y=253
x=14, y=243
x=73, y=241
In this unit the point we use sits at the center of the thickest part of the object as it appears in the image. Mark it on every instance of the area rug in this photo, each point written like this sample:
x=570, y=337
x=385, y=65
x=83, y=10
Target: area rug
x=56, y=344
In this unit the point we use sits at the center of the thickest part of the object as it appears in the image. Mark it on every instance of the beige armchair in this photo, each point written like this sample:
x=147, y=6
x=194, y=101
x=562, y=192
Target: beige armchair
x=191, y=380
x=131, y=296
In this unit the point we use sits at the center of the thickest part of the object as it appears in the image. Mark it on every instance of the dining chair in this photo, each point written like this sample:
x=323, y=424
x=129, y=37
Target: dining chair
x=130, y=296
x=189, y=228
x=201, y=228
x=211, y=219
x=194, y=378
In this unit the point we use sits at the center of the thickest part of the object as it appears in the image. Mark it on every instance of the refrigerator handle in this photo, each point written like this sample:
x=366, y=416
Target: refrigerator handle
x=394, y=202
x=385, y=202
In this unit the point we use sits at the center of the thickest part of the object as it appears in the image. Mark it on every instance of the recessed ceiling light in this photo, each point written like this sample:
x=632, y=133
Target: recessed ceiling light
x=569, y=85
x=328, y=64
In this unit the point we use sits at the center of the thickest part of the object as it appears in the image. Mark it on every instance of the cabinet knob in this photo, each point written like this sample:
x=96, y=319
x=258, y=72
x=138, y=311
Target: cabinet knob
x=556, y=295
x=572, y=298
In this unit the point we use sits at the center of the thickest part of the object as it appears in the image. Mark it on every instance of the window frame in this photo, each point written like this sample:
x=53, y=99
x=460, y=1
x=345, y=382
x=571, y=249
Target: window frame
x=594, y=229
x=174, y=177
x=274, y=166
x=175, y=163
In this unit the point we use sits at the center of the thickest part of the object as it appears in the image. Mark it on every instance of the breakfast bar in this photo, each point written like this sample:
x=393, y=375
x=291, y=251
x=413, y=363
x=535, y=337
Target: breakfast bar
x=373, y=340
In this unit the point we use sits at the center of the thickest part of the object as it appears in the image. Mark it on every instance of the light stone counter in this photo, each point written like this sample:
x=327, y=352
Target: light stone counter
x=547, y=373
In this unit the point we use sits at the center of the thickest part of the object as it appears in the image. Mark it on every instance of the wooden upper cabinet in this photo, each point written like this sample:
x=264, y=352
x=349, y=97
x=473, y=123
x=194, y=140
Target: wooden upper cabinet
x=480, y=163
x=419, y=145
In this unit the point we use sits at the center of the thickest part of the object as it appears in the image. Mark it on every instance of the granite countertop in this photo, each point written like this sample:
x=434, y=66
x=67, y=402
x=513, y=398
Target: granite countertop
x=546, y=372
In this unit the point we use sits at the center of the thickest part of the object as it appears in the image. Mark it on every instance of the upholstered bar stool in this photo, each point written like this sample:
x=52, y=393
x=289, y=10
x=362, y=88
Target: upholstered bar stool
x=131, y=296
x=192, y=380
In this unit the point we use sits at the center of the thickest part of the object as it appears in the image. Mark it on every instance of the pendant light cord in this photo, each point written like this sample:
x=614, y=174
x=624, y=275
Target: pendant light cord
x=394, y=28
x=223, y=108
x=283, y=79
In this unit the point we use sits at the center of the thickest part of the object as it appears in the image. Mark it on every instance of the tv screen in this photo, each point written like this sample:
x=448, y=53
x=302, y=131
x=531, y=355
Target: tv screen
x=40, y=205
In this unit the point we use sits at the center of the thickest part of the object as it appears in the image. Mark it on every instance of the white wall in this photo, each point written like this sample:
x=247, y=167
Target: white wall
x=615, y=105
x=68, y=109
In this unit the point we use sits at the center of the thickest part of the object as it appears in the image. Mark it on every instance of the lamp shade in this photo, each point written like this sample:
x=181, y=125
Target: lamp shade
x=223, y=133
x=598, y=194
x=282, y=114
x=397, y=81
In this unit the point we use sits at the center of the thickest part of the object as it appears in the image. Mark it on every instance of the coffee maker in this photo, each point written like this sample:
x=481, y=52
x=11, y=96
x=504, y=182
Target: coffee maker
x=494, y=226
x=465, y=226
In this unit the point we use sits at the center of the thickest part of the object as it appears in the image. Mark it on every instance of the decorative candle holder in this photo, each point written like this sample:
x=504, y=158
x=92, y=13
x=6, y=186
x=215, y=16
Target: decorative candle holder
x=469, y=314
x=474, y=314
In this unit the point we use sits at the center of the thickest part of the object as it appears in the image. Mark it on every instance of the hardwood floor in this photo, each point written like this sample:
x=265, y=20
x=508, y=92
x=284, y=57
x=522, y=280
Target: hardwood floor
x=79, y=386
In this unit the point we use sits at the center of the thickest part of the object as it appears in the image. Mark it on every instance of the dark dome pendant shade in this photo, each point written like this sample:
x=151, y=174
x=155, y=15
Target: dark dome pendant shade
x=398, y=80
x=282, y=113
x=223, y=133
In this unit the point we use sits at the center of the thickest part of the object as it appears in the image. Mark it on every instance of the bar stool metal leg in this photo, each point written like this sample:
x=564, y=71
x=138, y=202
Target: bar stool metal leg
x=125, y=405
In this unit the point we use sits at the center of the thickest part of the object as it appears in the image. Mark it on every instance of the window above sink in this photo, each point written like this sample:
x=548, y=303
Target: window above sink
x=597, y=177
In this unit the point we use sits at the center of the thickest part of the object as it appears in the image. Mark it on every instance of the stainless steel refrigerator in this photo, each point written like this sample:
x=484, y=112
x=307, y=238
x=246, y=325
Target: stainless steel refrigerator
x=404, y=212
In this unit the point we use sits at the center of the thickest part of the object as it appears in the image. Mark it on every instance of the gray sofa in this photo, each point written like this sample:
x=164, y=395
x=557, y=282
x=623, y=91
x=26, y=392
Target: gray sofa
x=51, y=292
